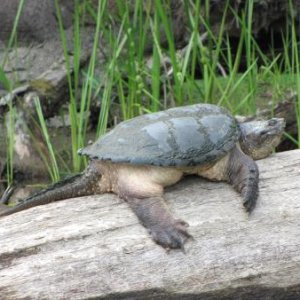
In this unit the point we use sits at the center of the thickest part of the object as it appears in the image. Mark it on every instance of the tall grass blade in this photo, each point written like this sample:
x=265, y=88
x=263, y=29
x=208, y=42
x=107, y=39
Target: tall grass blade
x=13, y=32
x=10, y=143
x=54, y=171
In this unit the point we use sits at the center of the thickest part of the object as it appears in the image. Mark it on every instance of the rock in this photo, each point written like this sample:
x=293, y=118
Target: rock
x=37, y=21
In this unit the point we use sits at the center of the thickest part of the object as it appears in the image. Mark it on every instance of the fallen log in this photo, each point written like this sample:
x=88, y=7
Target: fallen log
x=94, y=247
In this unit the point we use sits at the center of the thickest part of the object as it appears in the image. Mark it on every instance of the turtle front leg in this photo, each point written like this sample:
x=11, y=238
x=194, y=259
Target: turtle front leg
x=244, y=176
x=154, y=214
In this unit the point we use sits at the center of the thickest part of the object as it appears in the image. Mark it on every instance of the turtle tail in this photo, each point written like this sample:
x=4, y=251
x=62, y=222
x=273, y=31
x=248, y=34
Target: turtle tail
x=82, y=184
x=244, y=176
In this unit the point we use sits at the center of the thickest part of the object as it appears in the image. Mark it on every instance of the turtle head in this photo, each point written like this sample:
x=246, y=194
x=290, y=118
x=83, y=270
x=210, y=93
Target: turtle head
x=259, y=138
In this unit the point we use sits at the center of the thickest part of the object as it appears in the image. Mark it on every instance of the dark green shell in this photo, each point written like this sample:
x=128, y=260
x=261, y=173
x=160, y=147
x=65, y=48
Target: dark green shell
x=182, y=136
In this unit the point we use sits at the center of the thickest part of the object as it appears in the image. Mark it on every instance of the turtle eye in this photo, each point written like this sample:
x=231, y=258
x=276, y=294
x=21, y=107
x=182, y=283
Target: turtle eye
x=272, y=122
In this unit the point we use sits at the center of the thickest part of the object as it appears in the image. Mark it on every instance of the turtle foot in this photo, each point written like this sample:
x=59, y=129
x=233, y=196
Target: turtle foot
x=243, y=174
x=154, y=214
x=170, y=235
x=250, y=203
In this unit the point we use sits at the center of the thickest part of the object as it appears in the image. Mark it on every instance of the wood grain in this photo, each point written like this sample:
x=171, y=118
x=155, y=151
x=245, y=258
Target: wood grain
x=94, y=247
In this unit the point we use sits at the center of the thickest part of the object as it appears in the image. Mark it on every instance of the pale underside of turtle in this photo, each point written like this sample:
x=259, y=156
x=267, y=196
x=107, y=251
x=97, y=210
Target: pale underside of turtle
x=140, y=157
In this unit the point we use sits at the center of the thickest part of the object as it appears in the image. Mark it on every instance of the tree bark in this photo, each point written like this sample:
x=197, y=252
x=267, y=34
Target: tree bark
x=94, y=247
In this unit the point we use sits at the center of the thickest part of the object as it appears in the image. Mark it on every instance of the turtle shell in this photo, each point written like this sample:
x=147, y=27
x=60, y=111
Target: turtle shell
x=183, y=136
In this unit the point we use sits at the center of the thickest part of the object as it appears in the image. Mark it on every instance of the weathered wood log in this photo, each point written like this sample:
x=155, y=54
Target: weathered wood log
x=94, y=247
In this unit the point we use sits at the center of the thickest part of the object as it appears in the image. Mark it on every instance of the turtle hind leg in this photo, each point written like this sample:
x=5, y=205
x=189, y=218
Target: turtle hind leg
x=154, y=214
x=244, y=176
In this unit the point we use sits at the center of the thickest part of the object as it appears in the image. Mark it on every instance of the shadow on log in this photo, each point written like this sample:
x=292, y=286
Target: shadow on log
x=94, y=248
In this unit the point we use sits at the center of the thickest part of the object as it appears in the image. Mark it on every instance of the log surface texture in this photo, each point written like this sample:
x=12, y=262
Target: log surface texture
x=94, y=247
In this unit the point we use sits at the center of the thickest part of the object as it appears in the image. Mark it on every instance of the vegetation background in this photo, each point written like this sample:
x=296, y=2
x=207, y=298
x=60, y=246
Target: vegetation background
x=159, y=54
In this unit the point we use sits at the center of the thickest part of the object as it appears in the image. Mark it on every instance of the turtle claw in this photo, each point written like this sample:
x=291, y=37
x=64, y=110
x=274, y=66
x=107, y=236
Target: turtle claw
x=170, y=235
x=249, y=201
x=249, y=206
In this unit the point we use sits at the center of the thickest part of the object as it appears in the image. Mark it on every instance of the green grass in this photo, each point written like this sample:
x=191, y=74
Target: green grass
x=13, y=35
x=11, y=115
x=51, y=164
x=10, y=127
x=11, y=119
x=129, y=82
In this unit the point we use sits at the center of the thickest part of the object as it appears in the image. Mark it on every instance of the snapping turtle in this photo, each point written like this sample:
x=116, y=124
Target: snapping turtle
x=141, y=156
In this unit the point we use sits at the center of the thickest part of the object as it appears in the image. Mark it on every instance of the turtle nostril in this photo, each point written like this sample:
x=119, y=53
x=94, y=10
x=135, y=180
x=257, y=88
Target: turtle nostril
x=263, y=132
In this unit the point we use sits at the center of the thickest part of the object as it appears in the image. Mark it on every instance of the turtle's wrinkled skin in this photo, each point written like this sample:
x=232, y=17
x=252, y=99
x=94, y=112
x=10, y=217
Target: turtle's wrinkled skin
x=140, y=157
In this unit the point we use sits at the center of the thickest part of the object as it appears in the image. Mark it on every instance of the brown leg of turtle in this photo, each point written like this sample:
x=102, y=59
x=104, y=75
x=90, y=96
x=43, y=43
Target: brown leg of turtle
x=166, y=231
x=243, y=175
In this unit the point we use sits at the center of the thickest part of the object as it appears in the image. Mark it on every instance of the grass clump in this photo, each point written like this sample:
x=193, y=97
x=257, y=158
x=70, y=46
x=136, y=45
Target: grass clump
x=207, y=69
